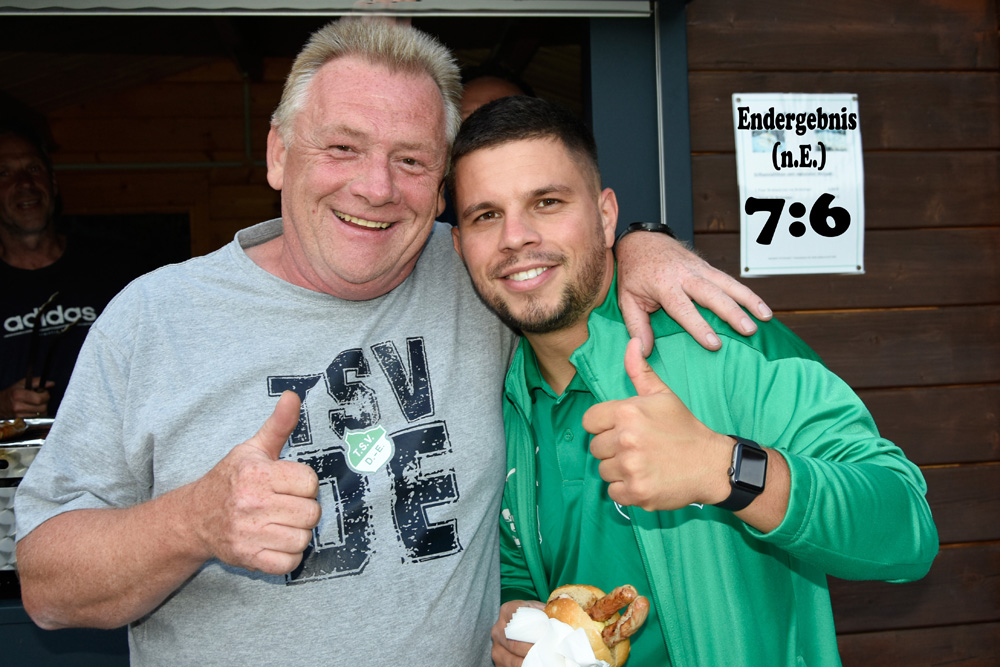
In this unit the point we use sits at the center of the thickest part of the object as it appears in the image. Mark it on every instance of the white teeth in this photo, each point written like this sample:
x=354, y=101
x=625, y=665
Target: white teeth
x=527, y=275
x=362, y=222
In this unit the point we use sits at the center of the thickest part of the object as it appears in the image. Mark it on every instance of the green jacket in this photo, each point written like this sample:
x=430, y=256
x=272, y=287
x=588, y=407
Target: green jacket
x=725, y=593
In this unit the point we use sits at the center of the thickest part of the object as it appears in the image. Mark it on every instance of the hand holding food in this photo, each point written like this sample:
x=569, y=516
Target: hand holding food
x=588, y=608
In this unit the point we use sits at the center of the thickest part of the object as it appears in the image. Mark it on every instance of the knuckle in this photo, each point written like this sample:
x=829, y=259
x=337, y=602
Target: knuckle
x=629, y=439
x=317, y=514
x=629, y=410
x=305, y=537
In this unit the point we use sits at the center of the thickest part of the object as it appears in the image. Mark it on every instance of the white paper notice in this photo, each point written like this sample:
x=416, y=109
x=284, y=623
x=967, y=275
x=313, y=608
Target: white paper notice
x=799, y=165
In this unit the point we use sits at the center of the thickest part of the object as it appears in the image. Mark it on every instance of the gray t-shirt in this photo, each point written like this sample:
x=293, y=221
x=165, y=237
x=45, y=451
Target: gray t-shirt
x=401, y=420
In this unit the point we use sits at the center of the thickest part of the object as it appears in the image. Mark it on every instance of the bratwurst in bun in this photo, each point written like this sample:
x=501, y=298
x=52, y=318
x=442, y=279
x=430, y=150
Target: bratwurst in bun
x=587, y=607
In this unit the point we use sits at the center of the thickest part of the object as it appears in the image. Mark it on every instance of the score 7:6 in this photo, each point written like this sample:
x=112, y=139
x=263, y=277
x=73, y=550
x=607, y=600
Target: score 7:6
x=819, y=214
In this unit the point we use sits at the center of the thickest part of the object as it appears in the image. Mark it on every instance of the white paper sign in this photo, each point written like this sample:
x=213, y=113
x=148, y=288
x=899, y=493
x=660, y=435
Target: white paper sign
x=801, y=178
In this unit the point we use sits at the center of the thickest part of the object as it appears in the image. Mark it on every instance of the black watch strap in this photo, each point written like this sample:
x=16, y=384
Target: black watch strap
x=747, y=474
x=646, y=227
x=738, y=499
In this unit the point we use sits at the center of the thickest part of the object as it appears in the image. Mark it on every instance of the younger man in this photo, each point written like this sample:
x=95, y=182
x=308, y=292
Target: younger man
x=619, y=469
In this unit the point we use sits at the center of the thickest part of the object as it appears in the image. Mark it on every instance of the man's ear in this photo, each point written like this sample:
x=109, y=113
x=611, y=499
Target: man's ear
x=441, y=200
x=456, y=240
x=275, y=158
x=608, y=203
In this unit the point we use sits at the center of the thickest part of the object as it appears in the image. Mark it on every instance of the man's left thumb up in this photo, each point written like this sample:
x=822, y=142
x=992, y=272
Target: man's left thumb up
x=644, y=378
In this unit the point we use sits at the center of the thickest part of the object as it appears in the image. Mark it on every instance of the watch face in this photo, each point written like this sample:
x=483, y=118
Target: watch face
x=751, y=467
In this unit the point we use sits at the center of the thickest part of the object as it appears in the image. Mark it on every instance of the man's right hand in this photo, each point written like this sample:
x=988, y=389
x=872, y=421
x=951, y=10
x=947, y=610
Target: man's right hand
x=253, y=510
x=16, y=401
x=104, y=568
x=507, y=652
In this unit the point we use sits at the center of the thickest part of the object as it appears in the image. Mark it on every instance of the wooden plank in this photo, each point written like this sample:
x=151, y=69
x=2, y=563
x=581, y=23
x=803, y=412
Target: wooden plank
x=959, y=646
x=256, y=175
x=218, y=70
x=965, y=501
x=119, y=192
x=904, y=348
x=251, y=201
x=164, y=100
x=160, y=159
x=927, y=267
x=962, y=116
x=853, y=34
x=961, y=587
x=902, y=190
x=939, y=424
x=165, y=136
x=277, y=69
x=210, y=235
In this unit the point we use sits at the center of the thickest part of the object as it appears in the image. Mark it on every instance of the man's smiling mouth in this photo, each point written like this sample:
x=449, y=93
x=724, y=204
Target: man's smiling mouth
x=361, y=222
x=527, y=275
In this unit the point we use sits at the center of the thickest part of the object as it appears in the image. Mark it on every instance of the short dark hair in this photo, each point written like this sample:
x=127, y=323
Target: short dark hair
x=519, y=118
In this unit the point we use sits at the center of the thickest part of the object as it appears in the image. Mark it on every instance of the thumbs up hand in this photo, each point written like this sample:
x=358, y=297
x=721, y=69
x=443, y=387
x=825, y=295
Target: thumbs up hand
x=253, y=510
x=654, y=453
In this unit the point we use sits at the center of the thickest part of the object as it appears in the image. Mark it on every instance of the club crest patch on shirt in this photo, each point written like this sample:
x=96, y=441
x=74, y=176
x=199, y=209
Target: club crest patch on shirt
x=368, y=449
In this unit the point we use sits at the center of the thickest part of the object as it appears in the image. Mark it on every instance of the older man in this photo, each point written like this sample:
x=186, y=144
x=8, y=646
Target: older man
x=358, y=525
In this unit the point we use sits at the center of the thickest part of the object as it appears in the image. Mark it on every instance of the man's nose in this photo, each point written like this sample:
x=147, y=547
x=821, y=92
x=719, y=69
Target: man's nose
x=376, y=183
x=24, y=178
x=518, y=231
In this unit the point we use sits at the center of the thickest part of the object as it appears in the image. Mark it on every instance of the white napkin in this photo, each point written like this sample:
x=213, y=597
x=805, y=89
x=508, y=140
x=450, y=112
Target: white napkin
x=556, y=644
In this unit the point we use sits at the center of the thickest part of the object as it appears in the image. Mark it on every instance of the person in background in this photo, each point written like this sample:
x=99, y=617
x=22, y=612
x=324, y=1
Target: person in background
x=480, y=85
x=486, y=83
x=54, y=287
x=623, y=471
x=358, y=524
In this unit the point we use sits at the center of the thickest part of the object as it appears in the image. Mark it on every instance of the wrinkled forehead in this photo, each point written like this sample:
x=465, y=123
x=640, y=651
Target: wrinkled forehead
x=408, y=96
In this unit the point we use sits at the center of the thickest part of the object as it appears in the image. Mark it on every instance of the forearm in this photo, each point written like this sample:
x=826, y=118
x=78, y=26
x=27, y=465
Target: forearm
x=768, y=510
x=864, y=520
x=107, y=567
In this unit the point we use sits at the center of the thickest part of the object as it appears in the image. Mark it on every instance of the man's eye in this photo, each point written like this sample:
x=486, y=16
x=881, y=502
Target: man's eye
x=489, y=215
x=547, y=202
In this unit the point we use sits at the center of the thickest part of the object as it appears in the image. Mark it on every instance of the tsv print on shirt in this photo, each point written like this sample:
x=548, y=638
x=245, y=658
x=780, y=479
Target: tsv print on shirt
x=355, y=450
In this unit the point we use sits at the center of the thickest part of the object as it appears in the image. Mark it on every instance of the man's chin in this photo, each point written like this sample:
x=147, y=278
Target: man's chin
x=536, y=321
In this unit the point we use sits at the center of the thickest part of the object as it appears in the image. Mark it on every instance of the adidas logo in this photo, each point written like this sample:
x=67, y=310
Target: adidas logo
x=56, y=317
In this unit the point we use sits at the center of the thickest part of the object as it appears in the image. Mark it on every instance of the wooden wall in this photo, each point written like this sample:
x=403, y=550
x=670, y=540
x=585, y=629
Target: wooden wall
x=182, y=147
x=918, y=336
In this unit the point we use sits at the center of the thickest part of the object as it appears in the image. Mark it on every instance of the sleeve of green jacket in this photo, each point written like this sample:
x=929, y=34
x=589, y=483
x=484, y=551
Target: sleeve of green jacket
x=514, y=575
x=856, y=508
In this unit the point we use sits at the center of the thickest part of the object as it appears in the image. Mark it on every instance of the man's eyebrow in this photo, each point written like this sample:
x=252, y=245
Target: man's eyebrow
x=359, y=134
x=534, y=194
x=552, y=188
x=326, y=130
x=475, y=208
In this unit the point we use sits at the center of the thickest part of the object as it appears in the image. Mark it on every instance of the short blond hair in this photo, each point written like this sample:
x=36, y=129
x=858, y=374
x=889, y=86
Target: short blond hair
x=398, y=47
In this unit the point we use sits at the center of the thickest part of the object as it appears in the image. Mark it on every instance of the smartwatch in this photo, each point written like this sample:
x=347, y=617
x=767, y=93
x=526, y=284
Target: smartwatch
x=746, y=474
x=646, y=227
